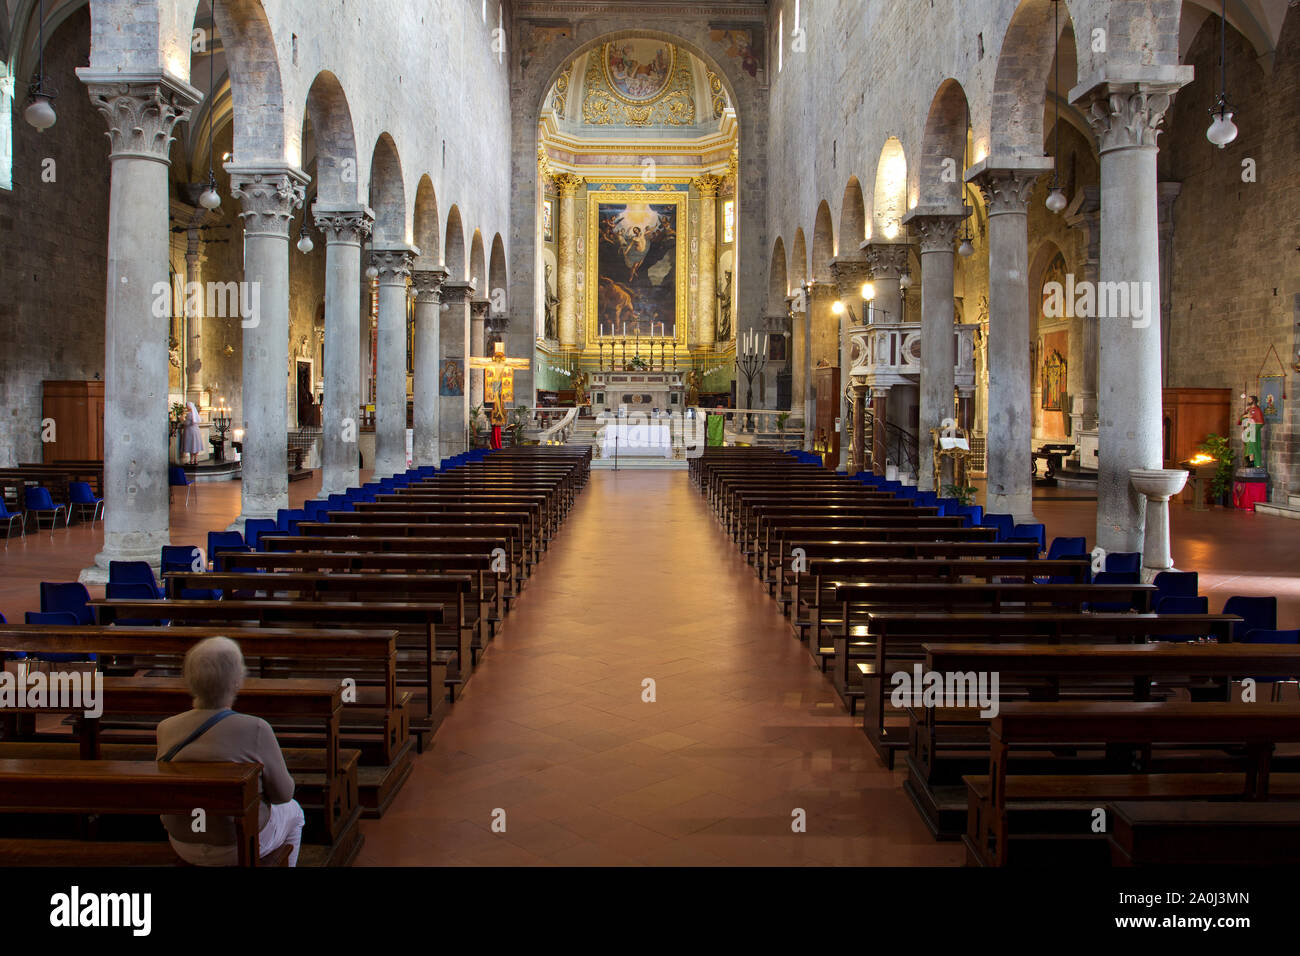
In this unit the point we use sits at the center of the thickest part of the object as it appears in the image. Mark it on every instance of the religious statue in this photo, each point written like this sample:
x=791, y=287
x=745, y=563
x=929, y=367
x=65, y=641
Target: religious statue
x=1252, y=434
x=724, y=309
x=694, y=382
x=552, y=304
x=580, y=389
x=497, y=417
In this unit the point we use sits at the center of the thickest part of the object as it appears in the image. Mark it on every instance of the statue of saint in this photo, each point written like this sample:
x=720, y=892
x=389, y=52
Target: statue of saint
x=1252, y=434
x=580, y=389
x=694, y=382
x=552, y=304
x=724, y=309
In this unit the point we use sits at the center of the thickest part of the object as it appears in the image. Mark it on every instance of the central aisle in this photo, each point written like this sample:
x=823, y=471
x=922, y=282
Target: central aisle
x=642, y=583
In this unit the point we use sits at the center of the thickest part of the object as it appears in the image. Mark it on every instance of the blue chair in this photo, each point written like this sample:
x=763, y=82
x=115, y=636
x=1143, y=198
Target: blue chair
x=54, y=619
x=82, y=498
x=1181, y=604
x=133, y=592
x=316, y=510
x=1114, y=577
x=72, y=598
x=286, y=520
x=974, y=514
x=9, y=517
x=1030, y=532
x=40, y=505
x=1257, y=614
x=219, y=541
x=134, y=573
x=1124, y=562
x=181, y=558
x=1260, y=636
x=177, y=478
x=1003, y=522
x=926, y=499
x=907, y=492
x=1175, y=584
x=254, y=528
x=1067, y=548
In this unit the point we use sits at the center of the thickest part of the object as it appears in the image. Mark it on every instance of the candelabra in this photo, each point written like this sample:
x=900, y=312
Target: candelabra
x=751, y=361
x=221, y=422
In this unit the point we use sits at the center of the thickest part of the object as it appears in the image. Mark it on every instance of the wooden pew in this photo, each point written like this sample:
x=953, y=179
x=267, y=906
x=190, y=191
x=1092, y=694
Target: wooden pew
x=896, y=637
x=350, y=524
x=1026, y=818
x=945, y=744
x=305, y=713
x=462, y=619
x=1204, y=833
x=128, y=788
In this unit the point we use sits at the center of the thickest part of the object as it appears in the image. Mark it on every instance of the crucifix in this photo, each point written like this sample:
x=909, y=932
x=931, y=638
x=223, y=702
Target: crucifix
x=498, y=384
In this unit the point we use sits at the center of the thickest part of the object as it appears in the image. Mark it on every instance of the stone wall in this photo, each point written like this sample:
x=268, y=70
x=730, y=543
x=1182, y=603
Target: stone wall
x=52, y=249
x=1236, y=270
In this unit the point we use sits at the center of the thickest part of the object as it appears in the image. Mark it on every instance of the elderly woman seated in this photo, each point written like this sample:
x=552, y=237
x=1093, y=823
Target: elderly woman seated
x=211, y=733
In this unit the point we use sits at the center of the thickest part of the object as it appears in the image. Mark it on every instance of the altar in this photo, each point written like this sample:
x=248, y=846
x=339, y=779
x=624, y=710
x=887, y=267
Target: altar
x=643, y=391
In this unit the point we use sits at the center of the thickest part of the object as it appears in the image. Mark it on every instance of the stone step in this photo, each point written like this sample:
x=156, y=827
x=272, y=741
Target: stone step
x=640, y=464
x=1293, y=500
x=1279, y=511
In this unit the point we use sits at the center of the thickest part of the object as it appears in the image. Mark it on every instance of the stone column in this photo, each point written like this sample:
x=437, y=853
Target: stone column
x=937, y=232
x=798, y=348
x=141, y=112
x=1126, y=117
x=1082, y=373
x=453, y=344
x=568, y=185
x=1006, y=193
x=707, y=307
x=887, y=261
x=478, y=310
x=428, y=322
x=850, y=274
x=1168, y=195
x=269, y=196
x=345, y=228
x=194, y=306
x=394, y=265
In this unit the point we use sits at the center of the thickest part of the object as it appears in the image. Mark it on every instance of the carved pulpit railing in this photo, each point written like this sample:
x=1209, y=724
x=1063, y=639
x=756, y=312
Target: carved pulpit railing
x=882, y=355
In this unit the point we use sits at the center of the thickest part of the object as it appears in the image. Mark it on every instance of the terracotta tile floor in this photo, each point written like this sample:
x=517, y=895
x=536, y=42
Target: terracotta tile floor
x=641, y=583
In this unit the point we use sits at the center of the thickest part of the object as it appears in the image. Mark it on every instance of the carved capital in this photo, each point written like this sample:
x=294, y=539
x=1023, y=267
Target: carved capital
x=344, y=226
x=478, y=308
x=707, y=186
x=1007, y=191
x=1128, y=116
x=428, y=285
x=849, y=275
x=394, y=265
x=886, y=260
x=567, y=184
x=936, y=233
x=141, y=113
x=268, y=197
x=457, y=292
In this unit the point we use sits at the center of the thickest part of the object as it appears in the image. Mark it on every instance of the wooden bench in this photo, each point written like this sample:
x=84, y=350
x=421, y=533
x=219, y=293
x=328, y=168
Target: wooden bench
x=1204, y=833
x=128, y=788
x=1022, y=819
x=446, y=538
x=945, y=744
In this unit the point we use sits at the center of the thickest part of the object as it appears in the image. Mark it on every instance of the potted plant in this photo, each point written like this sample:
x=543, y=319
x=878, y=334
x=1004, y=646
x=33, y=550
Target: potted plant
x=475, y=426
x=780, y=426
x=965, y=494
x=1220, y=449
x=175, y=426
x=518, y=421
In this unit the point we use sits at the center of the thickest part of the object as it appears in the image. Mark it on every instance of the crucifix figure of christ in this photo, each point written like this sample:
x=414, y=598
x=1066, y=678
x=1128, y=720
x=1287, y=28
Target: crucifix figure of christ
x=498, y=385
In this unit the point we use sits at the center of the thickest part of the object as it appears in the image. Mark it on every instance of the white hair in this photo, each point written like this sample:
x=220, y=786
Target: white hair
x=214, y=672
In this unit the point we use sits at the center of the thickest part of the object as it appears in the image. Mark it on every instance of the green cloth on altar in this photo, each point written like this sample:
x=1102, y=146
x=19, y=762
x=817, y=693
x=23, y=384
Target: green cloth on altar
x=717, y=431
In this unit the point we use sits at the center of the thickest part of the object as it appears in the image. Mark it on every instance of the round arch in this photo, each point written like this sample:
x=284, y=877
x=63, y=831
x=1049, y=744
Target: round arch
x=387, y=193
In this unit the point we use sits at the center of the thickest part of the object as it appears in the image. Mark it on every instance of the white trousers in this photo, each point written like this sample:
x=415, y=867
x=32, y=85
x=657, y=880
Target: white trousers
x=284, y=826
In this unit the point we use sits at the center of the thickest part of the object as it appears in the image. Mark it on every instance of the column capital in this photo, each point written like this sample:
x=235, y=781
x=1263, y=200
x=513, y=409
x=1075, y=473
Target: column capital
x=1007, y=191
x=428, y=284
x=141, y=110
x=707, y=185
x=394, y=263
x=886, y=259
x=478, y=308
x=1126, y=112
x=344, y=224
x=457, y=291
x=568, y=184
x=935, y=231
x=269, y=195
x=849, y=273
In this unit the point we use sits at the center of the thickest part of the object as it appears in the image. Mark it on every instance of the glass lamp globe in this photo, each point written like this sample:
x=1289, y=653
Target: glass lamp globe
x=305, y=245
x=40, y=113
x=966, y=249
x=372, y=271
x=1056, y=201
x=210, y=199
x=905, y=280
x=1222, y=129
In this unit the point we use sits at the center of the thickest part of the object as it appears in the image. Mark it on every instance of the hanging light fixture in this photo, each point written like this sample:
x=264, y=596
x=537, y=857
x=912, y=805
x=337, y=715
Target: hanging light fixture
x=967, y=247
x=372, y=270
x=210, y=198
x=1056, y=200
x=40, y=112
x=305, y=245
x=1222, y=129
x=905, y=280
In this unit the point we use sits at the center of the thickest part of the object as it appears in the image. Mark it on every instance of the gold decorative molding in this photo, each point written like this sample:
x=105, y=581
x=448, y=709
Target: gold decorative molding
x=568, y=184
x=707, y=185
x=604, y=105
